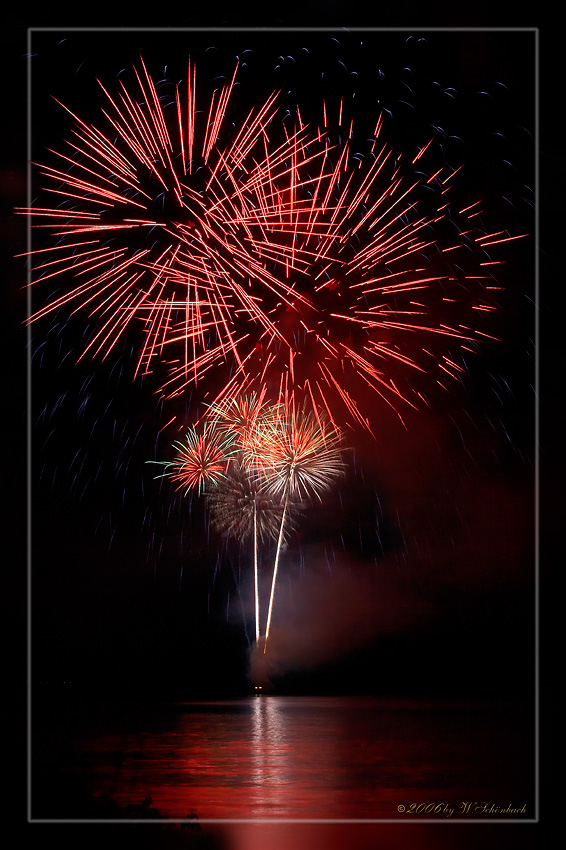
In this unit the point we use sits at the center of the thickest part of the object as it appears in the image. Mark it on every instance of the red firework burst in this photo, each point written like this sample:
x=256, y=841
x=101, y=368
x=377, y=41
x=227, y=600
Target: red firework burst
x=264, y=252
x=242, y=418
x=297, y=455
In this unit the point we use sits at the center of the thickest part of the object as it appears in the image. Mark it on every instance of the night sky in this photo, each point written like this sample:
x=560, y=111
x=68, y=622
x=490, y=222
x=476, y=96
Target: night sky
x=415, y=575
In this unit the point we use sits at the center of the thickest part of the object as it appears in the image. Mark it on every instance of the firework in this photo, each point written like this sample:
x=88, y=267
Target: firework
x=240, y=508
x=202, y=460
x=264, y=259
x=265, y=253
x=244, y=503
x=243, y=418
x=299, y=457
x=299, y=454
x=260, y=463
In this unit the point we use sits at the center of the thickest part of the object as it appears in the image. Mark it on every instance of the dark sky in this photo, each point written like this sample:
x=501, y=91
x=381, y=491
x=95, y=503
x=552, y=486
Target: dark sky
x=426, y=550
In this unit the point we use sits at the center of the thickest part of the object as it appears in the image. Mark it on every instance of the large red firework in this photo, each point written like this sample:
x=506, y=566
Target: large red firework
x=258, y=254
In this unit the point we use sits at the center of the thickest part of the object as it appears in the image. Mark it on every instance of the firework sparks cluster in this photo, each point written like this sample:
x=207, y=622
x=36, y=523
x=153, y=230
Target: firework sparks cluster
x=258, y=465
x=269, y=260
x=264, y=254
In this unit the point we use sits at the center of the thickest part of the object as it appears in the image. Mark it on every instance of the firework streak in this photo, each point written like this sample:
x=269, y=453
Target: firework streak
x=260, y=255
x=267, y=260
x=259, y=465
x=300, y=457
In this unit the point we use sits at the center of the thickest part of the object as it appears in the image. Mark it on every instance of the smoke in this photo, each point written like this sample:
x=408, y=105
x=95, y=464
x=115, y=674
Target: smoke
x=459, y=511
x=323, y=615
x=459, y=554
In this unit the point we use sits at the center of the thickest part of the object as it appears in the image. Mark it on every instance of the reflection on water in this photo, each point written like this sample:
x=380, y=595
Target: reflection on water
x=287, y=757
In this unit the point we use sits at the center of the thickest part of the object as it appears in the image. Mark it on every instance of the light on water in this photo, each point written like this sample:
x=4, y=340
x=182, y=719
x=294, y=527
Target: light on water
x=285, y=757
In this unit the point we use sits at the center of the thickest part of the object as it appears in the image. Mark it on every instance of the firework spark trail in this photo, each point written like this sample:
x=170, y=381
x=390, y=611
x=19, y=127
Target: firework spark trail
x=258, y=464
x=262, y=258
x=299, y=457
x=241, y=505
x=240, y=508
x=258, y=252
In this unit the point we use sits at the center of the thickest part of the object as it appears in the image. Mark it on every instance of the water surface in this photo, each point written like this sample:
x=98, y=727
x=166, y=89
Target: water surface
x=281, y=757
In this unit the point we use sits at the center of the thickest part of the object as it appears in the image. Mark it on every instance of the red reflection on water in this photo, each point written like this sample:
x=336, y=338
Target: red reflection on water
x=306, y=758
